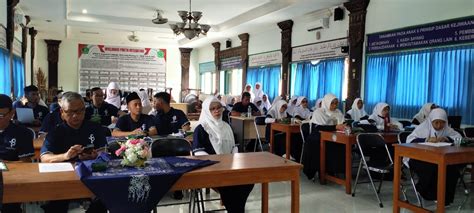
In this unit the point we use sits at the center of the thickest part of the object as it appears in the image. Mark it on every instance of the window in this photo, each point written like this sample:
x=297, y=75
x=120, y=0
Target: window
x=207, y=76
x=268, y=76
x=5, y=86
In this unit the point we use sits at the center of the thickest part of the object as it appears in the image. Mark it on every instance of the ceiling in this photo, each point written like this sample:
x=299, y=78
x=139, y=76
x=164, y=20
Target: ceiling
x=112, y=21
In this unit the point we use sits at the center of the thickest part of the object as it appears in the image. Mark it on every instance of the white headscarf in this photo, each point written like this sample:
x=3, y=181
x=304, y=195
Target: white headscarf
x=291, y=106
x=257, y=99
x=258, y=92
x=274, y=111
x=301, y=111
x=113, y=99
x=278, y=98
x=316, y=106
x=423, y=113
x=146, y=105
x=220, y=133
x=355, y=112
x=379, y=119
x=267, y=103
x=324, y=116
x=252, y=95
x=228, y=102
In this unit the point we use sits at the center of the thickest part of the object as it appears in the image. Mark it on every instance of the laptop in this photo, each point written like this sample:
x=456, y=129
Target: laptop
x=25, y=115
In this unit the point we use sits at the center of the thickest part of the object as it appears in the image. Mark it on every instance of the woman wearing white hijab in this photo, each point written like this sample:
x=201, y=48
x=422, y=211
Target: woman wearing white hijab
x=381, y=118
x=318, y=104
x=113, y=95
x=326, y=118
x=422, y=115
x=301, y=111
x=292, y=105
x=257, y=91
x=357, y=111
x=248, y=88
x=146, y=104
x=229, y=103
x=434, y=129
x=259, y=103
x=214, y=136
x=266, y=101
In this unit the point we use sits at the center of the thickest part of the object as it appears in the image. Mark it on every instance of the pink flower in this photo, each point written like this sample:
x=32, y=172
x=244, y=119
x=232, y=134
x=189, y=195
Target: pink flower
x=135, y=141
x=119, y=151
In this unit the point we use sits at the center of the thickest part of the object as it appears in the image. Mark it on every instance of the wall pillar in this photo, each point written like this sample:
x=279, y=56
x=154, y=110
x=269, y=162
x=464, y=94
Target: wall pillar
x=286, y=29
x=53, y=55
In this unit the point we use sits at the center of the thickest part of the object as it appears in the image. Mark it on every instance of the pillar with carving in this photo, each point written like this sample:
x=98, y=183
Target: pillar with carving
x=286, y=29
x=358, y=10
x=10, y=35
x=217, y=62
x=244, y=54
x=53, y=55
x=185, y=61
x=32, y=33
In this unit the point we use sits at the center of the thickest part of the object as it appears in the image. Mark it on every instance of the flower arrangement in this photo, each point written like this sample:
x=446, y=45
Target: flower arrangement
x=134, y=152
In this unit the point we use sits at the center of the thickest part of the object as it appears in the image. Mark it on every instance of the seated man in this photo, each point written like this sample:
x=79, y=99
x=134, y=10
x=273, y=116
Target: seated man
x=100, y=111
x=242, y=107
x=51, y=120
x=168, y=119
x=32, y=95
x=16, y=142
x=68, y=142
x=134, y=123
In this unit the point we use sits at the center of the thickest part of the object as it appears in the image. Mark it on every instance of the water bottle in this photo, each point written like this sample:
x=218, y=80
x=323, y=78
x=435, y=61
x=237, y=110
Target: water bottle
x=249, y=111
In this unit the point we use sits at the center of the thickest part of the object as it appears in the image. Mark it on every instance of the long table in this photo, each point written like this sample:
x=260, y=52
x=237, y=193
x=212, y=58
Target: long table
x=442, y=156
x=244, y=129
x=288, y=129
x=348, y=141
x=24, y=183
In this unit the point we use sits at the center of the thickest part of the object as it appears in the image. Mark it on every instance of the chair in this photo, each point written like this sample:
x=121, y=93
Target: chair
x=259, y=122
x=460, y=131
x=469, y=132
x=305, y=130
x=402, y=138
x=454, y=121
x=367, y=142
x=405, y=123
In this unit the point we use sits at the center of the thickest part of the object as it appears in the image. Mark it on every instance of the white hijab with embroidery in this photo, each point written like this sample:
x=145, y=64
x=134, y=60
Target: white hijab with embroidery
x=324, y=116
x=220, y=133
x=426, y=129
x=301, y=111
x=113, y=99
x=355, y=112
x=274, y=111
x=424, y=112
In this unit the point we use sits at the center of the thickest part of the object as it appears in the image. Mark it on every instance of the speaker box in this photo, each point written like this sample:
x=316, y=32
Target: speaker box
x=228, y=44
x=338, y=14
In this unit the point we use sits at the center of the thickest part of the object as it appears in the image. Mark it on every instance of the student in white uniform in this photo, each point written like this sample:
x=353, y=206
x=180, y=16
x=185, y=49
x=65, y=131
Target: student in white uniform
x=380, y=117
x=266, y=101
x=422, y=115
x=357, y=111
x=248, y=88
x=317, y=105
x=258, y=91
x=292, y=105
x=301, y=111
x=434, y=129
x=259, y=103
x=113, y=95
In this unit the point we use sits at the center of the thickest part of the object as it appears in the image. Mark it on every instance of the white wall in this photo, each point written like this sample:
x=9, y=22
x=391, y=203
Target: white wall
x=3, y=12
x=68, y=62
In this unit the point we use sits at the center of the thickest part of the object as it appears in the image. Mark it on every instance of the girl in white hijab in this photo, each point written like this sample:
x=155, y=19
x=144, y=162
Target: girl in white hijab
x=277, y=111
x=266, y=101
x=248, y=88
x=357, y=111
x=257, y=91
x=422, y=115
x=301, y=111
x=229, y=103
x=328, y=114
x=113, y=96
x=146, y=104
x=259, y=103
x=214, y=136
x=318, y=104
x=292, y=105
x=381, y=118
x=434, y=129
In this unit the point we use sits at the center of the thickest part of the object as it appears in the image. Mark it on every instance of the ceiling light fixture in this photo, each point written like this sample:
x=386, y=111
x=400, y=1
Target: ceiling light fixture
x=84, y=11
x=190, y=27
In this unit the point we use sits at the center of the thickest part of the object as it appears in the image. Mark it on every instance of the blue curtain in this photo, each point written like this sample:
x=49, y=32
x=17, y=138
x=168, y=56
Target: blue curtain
x=18, y=76
x=269, y=76
x=314, y=81
x=5, y=81
x=407, y=80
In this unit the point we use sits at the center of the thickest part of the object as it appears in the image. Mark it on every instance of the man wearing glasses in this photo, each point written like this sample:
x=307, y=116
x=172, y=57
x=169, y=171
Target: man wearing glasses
x=16, y=142
x=74, y=139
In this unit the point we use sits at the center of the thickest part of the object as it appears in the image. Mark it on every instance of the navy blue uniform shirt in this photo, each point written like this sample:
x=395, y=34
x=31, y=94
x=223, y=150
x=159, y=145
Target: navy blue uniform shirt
x=16, y=142
x=101, y=115
x=61, y=138
x=126, y=124
x=238, y=107
x=171, y=122
x=38, y=111
x=51, y=120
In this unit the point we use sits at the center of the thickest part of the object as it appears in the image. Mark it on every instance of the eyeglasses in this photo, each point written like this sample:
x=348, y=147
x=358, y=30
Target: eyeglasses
x=215, y=108
x=71, y=113
x=3, y=115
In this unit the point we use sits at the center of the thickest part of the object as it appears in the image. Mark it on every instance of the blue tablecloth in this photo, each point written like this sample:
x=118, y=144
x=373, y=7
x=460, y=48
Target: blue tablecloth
x=128, y=189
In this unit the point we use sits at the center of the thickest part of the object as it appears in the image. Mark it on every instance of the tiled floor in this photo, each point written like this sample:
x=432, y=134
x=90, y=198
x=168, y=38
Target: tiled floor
x=317, y=198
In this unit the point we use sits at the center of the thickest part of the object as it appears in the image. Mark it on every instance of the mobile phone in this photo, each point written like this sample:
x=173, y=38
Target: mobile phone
x=88, y=149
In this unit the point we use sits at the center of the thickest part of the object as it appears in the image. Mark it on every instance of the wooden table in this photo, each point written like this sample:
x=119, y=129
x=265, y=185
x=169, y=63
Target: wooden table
x=288, y=129
x=442, y=156
x=348, y=141
x=244, y=129
x=23, y=182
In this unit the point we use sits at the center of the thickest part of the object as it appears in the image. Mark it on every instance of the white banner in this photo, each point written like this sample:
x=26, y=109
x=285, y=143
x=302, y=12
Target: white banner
x=265, y=59
x=131, y=67
x=329, y=49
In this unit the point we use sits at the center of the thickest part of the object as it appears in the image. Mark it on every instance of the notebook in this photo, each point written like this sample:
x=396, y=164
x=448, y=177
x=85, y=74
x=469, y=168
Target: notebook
x=25, y=115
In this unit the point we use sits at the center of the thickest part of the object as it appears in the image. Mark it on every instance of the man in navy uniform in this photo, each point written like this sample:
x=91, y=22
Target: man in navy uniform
x=100, y=111
x=242, y=107
x=67, y=142
x=16, y=142
x=32, y=95
x=134, y=123
x=168, y=119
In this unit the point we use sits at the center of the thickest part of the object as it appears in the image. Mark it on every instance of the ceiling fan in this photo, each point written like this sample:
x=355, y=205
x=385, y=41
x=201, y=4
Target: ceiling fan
x=159, y=18
x=133, y=37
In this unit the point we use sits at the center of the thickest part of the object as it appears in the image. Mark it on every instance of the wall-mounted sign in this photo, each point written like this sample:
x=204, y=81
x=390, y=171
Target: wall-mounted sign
x=328, y=49
x=263, y=59
x=231, y=63
x=442, y=33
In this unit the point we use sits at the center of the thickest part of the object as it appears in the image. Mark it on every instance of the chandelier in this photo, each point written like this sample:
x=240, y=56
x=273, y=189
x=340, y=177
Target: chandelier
x=190, y=27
